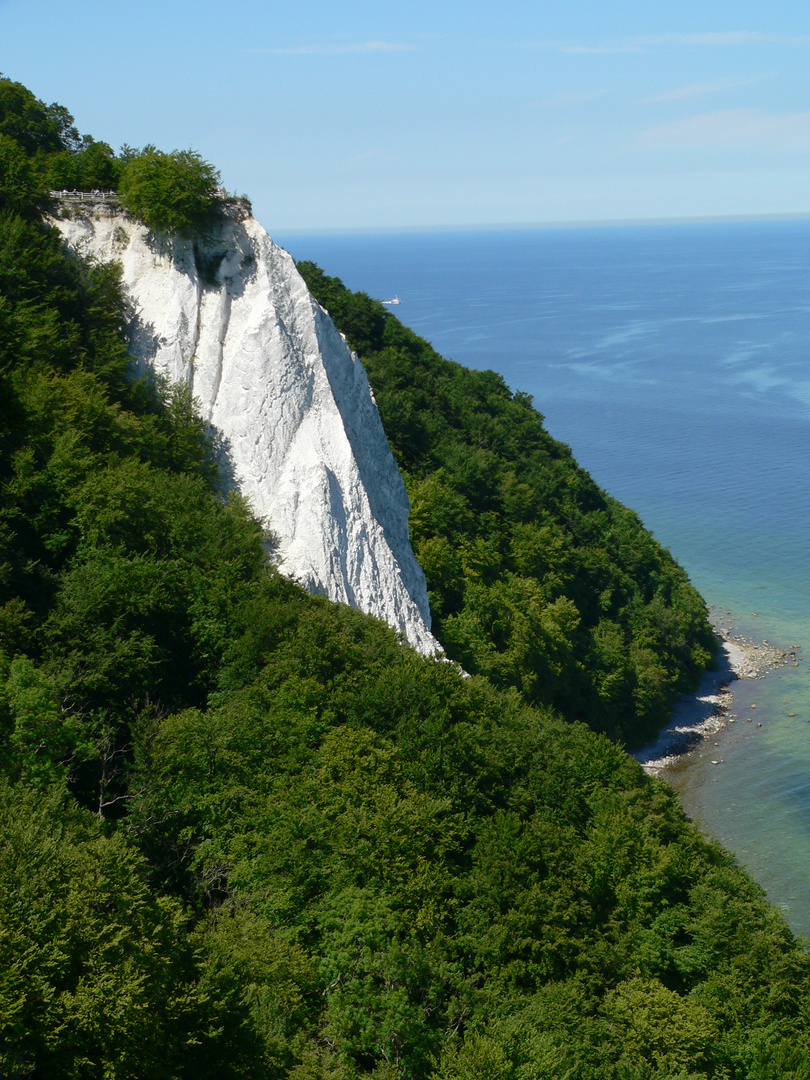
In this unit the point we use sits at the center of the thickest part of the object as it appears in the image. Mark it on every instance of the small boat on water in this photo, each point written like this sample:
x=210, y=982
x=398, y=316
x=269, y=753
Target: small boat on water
x=393, y=302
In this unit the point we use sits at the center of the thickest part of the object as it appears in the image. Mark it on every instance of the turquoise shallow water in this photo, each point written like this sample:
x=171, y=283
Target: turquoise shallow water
x=675, y=361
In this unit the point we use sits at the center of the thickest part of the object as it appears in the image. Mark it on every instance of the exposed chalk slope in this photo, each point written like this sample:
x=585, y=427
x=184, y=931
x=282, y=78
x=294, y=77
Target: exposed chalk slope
x=292, y=404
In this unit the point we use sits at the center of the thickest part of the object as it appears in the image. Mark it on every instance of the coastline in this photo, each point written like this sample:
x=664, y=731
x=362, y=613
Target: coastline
x=708, y=709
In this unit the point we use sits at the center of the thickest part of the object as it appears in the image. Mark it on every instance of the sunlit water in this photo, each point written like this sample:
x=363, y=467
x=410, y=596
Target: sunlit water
x=674, y=360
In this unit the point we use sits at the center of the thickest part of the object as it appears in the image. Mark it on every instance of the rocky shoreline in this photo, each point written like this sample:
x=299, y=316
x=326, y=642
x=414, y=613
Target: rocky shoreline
x=708, y=710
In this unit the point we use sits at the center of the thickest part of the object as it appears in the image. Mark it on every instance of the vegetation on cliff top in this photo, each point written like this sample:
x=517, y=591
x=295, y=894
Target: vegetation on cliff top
x=246, y=833
x=172, y=193
x=41, y=150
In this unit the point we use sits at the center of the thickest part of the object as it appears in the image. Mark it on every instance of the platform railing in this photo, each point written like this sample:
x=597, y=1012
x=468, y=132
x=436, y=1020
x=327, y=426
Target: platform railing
x=84, y=196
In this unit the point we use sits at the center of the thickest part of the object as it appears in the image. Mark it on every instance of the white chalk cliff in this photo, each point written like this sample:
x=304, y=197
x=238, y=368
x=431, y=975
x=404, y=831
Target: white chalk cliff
x=280, y=387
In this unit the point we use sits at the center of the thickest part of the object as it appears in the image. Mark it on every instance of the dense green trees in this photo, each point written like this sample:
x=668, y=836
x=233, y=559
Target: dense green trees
x=246, y=833
x=38, y=129
x=537, y=579
x=93, y=167
x=451, y=877
x=97, y=977
x=21, y=189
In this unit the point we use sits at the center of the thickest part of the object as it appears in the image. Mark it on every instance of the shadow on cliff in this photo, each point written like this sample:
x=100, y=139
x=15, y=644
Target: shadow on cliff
x=228, y=261
x=222, y=255
x=142, y=338
x=227, y=484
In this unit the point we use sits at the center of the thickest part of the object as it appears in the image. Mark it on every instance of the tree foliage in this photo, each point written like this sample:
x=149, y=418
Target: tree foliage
x=38, y=129
x=246, y=833
x=97, y=977
x=94, y=166
x=172, y=193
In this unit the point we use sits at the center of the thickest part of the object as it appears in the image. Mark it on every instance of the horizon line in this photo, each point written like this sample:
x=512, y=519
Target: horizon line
x=573, y=223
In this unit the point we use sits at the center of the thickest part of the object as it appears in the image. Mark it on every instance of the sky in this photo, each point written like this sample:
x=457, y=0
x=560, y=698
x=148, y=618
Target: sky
x=417, y=114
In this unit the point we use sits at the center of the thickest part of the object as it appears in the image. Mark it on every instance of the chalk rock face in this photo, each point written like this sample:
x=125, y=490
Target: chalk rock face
x=291, y=404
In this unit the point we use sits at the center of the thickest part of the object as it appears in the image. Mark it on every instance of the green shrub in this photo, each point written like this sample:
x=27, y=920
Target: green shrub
x=172, y=193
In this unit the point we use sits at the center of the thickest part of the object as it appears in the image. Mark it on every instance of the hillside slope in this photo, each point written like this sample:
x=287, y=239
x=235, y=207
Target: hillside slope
x=246, y=833
x=537, y=578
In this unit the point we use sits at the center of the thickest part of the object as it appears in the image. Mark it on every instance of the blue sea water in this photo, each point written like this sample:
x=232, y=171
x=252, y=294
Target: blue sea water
x=675, y=361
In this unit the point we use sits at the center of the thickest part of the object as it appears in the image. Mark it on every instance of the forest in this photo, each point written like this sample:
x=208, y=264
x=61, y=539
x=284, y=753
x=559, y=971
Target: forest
x=249, y=833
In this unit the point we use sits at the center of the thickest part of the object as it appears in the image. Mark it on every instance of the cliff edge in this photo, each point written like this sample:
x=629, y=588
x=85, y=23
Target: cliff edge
x=289, y=402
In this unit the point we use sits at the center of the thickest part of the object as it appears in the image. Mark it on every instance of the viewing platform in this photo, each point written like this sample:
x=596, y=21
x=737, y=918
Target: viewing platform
x=237, y=207
x=86, y=196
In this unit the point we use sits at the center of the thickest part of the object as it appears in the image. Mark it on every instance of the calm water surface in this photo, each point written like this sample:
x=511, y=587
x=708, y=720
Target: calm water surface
x=675, y=361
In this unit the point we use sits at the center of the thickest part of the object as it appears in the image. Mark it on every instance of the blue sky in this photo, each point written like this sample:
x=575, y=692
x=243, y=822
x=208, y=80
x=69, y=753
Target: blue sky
x=424, y=114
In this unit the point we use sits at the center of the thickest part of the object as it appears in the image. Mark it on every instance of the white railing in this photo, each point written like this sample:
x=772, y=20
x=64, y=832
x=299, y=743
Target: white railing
x=89, y=196
x=83, y=196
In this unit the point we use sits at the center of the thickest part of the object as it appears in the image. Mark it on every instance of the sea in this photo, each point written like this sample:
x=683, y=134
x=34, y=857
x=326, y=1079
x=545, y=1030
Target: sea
x=674, y=359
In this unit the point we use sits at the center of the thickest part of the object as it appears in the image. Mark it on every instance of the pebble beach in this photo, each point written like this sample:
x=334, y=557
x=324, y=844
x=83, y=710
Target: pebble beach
x=711, y=708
